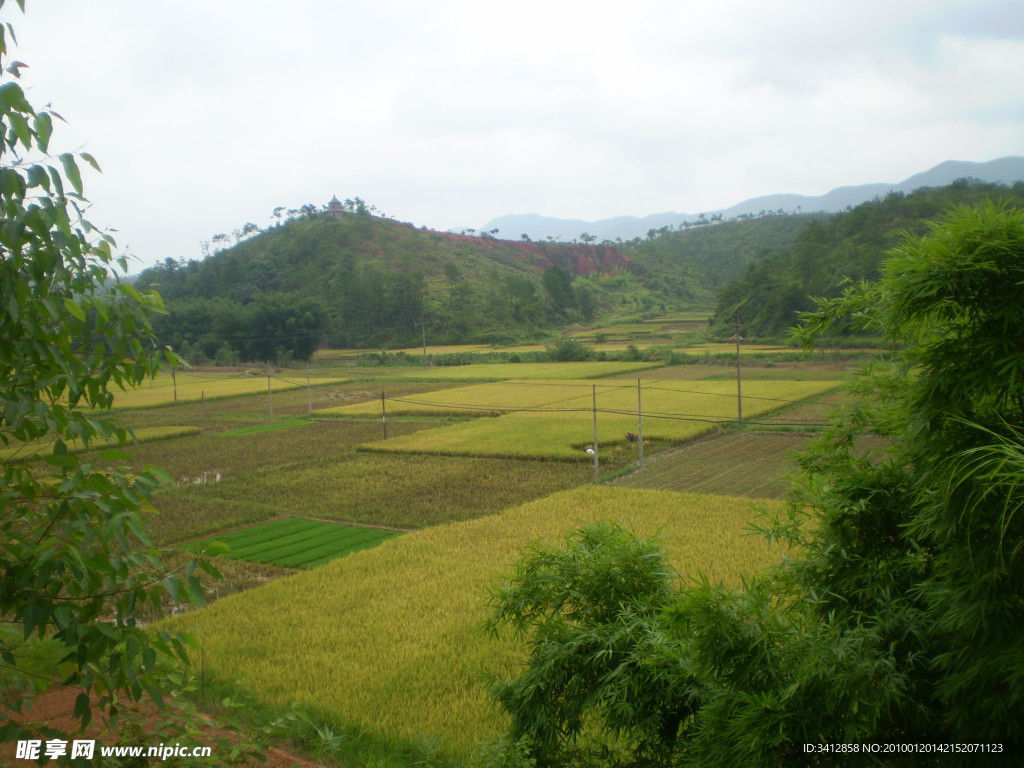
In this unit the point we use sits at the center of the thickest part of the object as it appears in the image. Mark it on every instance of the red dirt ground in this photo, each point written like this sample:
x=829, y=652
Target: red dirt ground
x=54, y=708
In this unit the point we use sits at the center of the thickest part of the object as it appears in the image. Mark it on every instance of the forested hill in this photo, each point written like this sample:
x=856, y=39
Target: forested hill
x=367, y=281
x=713, y=252
x=766, y=298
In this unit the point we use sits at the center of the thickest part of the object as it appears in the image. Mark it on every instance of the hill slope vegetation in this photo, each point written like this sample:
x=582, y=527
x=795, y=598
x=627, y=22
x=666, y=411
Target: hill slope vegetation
x=832, y=251
x=366, y=281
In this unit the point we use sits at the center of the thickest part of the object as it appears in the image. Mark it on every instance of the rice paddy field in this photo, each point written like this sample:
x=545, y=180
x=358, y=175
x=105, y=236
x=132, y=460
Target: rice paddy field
x=141, y=435
x=167, y=389
x=506, y=371
x=562, y=427
x=381, y=634
x=752, y=464
x=389, y=639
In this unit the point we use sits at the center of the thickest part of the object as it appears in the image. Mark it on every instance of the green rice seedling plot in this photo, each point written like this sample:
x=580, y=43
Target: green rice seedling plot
x=297, y=543
x=389, y=640
x=267, y=532
x=240, y=432
x=673, y=412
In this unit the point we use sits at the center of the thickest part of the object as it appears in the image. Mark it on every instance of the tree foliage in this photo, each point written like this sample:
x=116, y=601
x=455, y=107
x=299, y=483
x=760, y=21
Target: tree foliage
x=899, y=617
x=832, y=252
x=595, y=617
x=76, y=566
x=366, y=281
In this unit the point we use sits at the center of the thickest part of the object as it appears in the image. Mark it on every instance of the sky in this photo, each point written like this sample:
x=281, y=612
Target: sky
x=207, y=114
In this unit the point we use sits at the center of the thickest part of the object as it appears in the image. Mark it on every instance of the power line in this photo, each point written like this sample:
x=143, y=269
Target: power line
x=556, y=409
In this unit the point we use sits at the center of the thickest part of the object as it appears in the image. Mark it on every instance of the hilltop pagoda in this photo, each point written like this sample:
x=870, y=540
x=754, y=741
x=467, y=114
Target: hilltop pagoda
x=335, y=208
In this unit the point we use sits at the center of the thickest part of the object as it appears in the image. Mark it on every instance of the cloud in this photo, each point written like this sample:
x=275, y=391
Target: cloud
x=206, y=115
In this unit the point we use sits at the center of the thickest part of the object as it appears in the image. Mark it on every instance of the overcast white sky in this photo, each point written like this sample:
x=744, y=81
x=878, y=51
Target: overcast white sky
x=206, y=114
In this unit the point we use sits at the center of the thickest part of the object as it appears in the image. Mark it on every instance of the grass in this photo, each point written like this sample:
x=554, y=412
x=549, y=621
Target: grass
x=389, y=640
x=294, y=542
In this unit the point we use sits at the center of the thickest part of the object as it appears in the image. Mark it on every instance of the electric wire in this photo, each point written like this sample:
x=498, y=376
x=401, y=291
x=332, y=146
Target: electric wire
x=553, y=409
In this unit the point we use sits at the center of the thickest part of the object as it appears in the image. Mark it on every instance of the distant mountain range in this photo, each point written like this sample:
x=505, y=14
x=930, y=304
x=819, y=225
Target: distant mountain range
x=1005, y=170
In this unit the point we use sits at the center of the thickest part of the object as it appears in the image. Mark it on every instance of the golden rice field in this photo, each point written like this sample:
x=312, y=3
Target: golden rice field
x=674, y=411
x=389, y=640
x=185, y=387
x=473, y=400
x=505, y=371
x=729, y=348
x=142, y=435
x=448, y=349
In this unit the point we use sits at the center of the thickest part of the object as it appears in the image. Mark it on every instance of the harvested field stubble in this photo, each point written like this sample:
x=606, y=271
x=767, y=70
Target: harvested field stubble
x=392, y=491
x=734, y=464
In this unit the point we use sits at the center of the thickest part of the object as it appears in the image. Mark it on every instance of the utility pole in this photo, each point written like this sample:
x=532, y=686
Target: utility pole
x=640, y=423
x=596, y=470
x=423, y=325
x=270, y=396
x=739, y=381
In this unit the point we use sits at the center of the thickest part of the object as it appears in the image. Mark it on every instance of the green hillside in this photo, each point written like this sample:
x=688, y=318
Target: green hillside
x=711, y=252
x=365, y=281
x=766, y=298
